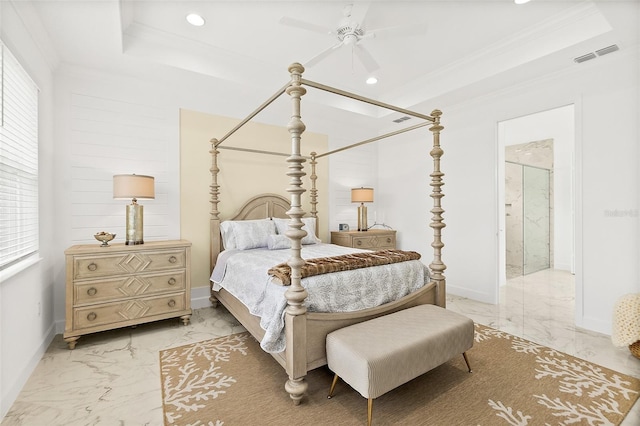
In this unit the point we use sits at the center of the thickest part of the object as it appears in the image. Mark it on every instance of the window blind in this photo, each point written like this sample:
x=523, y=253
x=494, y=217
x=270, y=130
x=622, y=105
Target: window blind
x=18, y=162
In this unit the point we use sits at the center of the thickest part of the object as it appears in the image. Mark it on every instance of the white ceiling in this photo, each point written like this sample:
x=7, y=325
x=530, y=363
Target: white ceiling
x=465, y=45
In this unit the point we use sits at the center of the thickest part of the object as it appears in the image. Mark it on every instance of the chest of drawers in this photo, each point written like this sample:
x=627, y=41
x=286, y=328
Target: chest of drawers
x=124, y=285
x=373, y=239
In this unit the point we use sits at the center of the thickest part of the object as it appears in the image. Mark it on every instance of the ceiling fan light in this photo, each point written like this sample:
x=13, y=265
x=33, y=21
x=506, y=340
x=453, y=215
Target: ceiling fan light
x=195, y=19
x=350, y=39
x=372, y=80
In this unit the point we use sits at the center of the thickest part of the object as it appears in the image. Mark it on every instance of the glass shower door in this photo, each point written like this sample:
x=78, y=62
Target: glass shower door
x=536, y=223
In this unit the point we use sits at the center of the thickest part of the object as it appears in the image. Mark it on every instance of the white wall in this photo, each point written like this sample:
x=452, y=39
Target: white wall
x=605, y=93
x=349, y=169
x=110, y=124
x=26, y=309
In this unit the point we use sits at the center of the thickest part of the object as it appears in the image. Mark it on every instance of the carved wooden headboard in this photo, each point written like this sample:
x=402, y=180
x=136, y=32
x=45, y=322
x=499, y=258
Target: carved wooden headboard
x=259, y=207
x=262, y=207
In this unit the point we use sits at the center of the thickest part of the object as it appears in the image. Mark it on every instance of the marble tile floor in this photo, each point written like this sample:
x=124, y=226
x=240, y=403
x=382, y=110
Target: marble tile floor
x=540, y=307
x=113, y=378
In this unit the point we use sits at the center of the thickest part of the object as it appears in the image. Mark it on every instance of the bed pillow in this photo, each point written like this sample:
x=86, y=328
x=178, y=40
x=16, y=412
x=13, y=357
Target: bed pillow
x=278, y=242
x=309, y=225
x=228, y=239
x=246, y=234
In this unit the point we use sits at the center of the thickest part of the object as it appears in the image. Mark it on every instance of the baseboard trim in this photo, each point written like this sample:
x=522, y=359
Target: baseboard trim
x=470, y=294
x=200, y=297
x=12, y=393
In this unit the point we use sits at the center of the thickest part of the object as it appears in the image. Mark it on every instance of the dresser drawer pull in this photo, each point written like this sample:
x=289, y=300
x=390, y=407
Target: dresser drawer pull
x=173, y=259
x=92, y=316
x=171, y=303
x=171, y=281
x=359, y=243
x=92, y=291
x=388, y=239
x=92, y=266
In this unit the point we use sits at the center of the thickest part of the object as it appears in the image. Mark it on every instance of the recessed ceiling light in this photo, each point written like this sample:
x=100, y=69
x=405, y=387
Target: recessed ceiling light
x=195, y=19
x=521, y=1
x=372, y=80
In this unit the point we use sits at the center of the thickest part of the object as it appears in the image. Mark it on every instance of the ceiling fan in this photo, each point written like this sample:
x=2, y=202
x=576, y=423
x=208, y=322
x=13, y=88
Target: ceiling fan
x=351, y=31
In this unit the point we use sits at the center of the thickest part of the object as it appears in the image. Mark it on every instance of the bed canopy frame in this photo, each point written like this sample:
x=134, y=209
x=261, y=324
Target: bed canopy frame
x=295, y=357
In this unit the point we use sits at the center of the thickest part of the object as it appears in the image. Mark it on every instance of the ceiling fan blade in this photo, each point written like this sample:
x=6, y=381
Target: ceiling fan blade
x=320, y=56
x=296, y=23
x=365, y=57
x=358, y=13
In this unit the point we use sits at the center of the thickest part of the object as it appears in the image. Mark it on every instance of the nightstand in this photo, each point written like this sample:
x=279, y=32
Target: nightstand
x=123, y=285
x=373, y=239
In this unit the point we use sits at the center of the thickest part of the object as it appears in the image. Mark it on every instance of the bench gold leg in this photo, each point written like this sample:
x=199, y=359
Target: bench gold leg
x=464, y=354
x=369, y=411
x=333, y=385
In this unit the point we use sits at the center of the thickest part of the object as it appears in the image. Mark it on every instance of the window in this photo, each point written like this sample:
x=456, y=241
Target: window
x=18, y=162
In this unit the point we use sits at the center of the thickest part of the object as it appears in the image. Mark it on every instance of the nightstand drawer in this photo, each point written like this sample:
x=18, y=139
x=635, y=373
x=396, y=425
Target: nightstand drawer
x=86, y=292
x=374, y=239
x=374, y=242
x=127, y=263
x=111, y=313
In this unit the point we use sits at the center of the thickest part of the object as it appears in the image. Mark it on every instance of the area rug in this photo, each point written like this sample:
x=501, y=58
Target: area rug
x=231, y=381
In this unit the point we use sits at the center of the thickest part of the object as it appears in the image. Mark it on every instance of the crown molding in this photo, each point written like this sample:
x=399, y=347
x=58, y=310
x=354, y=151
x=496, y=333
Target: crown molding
x=575, y=25
x=31, y=22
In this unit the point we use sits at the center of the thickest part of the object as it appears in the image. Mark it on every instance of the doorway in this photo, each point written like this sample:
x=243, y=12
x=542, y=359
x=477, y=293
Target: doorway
x=550, y=188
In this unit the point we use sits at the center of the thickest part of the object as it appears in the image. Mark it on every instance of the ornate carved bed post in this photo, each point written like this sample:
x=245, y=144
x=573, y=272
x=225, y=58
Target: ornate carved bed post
x=314, y=189
x=295, y=319
x=437, y=223
x=214, y=221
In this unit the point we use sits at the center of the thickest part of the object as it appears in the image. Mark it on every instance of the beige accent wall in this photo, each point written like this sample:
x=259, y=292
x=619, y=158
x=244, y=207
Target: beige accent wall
x=242, y=176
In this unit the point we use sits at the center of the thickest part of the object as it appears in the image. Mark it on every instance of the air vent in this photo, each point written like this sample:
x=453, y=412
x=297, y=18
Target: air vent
x=609, y=49
x=599, y=52
x=584, y=58
x=401, y=119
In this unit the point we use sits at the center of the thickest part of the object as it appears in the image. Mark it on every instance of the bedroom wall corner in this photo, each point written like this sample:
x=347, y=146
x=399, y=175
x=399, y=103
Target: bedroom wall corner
x=242, y=175
x=27, y=296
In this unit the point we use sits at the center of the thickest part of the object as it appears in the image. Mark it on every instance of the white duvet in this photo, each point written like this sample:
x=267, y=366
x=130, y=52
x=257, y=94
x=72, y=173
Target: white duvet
x=243, y=273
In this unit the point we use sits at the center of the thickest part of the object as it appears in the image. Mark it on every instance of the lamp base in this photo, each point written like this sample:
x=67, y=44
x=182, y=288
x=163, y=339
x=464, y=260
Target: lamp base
x=133, y=235
x=362, y=218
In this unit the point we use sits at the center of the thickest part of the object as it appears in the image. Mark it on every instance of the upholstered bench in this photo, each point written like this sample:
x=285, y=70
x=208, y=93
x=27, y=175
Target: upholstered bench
x=381, y=354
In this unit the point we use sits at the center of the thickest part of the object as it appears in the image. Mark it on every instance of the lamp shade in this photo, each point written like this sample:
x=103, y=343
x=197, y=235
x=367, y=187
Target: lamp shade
x=133, y=186
x=362, y=195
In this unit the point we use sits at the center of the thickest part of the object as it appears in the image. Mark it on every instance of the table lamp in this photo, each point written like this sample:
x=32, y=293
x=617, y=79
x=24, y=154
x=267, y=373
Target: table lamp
x=362, y=195
x=134, y=187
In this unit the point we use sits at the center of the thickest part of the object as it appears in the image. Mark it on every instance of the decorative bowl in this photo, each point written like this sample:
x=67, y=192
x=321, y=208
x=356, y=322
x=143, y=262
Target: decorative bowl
x=104, y=237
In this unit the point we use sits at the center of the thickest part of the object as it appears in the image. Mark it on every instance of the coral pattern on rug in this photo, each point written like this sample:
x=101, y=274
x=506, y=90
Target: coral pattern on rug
x=187, y=386
x=231, y=381
x=573, y=376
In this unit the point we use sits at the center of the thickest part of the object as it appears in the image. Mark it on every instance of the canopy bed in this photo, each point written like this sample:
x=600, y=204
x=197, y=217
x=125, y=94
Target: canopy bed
x=302, y=321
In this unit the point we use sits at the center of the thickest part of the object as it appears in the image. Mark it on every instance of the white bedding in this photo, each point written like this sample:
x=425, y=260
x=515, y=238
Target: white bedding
x=244, y=274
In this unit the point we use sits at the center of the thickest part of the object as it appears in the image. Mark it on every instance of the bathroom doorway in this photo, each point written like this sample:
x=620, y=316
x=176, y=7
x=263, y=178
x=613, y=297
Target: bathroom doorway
x=536, y=151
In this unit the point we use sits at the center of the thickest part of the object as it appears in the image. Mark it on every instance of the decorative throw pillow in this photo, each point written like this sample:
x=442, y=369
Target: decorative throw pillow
x=309, y=225
x=246, y=234
x=278, y=242
x=252, y=233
